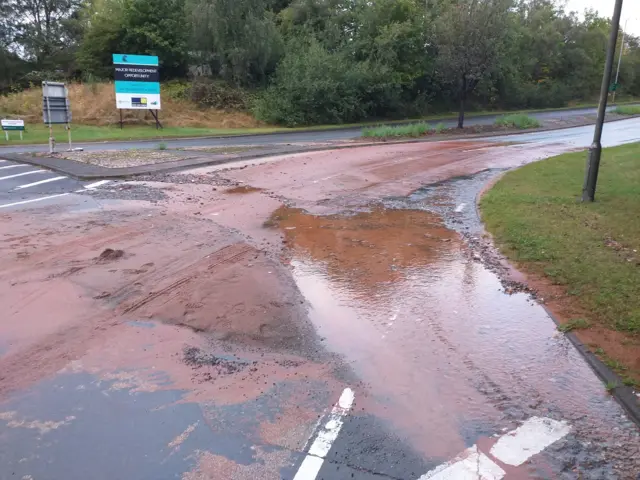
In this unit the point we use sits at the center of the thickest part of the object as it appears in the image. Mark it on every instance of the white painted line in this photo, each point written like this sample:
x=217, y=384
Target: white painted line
x=91, y=186
x=460, y=207
x=469, y=465
x=6, y=205
x=532, y=437
x=13, y=166
x=513, y=448
x=321, y=446
x=40, y=182
x=21, y=174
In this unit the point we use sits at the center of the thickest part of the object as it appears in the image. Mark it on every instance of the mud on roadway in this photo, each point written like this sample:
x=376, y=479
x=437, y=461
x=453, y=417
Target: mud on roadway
x=328, y=315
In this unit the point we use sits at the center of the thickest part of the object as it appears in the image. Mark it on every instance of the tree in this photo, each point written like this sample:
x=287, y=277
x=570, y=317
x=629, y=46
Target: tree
x=236, y=39
x=145, y=27
x=470, y=37
x=46, y=30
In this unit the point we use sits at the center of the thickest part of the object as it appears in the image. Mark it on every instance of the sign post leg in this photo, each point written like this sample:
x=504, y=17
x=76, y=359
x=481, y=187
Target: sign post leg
x=69, y=133
x=20, y=134
x=121, y=123
x=6, y=135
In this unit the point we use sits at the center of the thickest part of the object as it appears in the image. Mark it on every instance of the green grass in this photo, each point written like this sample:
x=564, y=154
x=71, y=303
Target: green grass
x=389, y=131
x=628, y=110
x=575, y=324
x=162, y=146
x=517, y=120
x=592, y=249
x=90, y=133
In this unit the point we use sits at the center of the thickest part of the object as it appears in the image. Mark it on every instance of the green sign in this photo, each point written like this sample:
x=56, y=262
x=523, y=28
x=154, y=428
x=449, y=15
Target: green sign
x=12, y=124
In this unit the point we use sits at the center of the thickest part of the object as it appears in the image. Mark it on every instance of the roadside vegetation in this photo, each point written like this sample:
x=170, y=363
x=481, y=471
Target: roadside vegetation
x=295, y=63
x=389, y=131
x=627, y=110
x=520, y=121
x=589, y=251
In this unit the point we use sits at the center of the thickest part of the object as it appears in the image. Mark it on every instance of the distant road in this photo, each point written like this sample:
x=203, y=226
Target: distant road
x=280, y=138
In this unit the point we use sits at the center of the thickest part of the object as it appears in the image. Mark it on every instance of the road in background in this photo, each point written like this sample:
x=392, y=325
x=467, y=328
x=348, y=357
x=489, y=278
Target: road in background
x=283, y=138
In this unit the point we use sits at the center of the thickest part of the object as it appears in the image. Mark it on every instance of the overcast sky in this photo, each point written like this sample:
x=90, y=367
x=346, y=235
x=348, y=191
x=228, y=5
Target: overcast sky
x=630, y=10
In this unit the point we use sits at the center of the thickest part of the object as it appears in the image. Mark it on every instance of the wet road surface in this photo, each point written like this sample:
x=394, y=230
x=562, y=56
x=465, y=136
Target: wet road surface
x=284, y=138
x=316, y=316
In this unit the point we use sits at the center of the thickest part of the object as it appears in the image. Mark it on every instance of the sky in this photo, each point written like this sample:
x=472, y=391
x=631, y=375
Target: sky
x=630, y=10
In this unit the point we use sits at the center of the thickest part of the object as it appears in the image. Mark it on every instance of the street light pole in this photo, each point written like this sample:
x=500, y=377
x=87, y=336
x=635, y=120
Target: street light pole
x=624, y=32
x=595, y=151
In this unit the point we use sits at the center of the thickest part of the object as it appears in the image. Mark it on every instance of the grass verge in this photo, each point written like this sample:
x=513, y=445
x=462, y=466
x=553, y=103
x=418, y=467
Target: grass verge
x=92, y=133
x=627, y=110
x=521, y=121
x=590, y=252
x=390, y=131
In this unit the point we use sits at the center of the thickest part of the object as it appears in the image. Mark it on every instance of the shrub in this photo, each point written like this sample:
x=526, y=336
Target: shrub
x=315, y=86
x=628, y=110
x=518, y=120
x=218, y=94
x=386, y=131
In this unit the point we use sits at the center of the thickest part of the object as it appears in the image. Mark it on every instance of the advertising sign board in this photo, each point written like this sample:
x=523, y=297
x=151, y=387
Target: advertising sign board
x=137, y=82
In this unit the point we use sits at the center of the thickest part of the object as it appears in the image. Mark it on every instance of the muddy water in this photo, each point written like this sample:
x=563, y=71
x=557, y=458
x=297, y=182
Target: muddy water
x=437, y=343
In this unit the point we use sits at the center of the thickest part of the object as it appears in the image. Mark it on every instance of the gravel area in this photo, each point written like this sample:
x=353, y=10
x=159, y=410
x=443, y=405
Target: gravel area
x=188, y=178
x=124, y=158
x=128, y=191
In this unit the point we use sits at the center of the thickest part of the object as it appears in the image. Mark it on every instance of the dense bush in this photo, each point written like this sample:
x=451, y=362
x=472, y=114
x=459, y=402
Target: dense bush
x=314, y=86
x=218, y=94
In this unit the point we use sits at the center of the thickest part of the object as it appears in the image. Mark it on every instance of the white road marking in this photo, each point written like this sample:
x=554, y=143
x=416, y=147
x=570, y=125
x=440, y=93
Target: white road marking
x=321, y=446
x=6, y=205
x=13, y=166
x=21, y=174
x=460, y=207
x=532, y=437
x=91, y=186
x=513, y=448
x=40, y=182
x=469, y=465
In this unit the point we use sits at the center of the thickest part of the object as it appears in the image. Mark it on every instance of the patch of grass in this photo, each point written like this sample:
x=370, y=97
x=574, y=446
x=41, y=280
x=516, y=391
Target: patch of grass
x=388, y=131
x=441, y=127
x=518, y=120
x=590, y=249
x=627, y=110
x=611, y=386
x=575, y=324
x=162, y=146
x=36, y=133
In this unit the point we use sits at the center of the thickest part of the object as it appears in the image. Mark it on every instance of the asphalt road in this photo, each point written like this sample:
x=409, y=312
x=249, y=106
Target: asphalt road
x=25, y=186
x=280, y=138
x=418, y=366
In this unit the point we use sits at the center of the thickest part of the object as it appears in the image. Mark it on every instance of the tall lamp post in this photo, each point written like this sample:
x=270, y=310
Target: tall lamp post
x=595, y=150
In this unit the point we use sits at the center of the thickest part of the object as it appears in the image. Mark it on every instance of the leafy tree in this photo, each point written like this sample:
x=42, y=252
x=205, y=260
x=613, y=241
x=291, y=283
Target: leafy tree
x=46, y=30
x=315, y=86
x=236, y=39
x=470, y=36
x=145, y=27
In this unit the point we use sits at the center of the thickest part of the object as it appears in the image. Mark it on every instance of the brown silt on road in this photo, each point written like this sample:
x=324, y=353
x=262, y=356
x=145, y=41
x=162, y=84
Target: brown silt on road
x=329, y=315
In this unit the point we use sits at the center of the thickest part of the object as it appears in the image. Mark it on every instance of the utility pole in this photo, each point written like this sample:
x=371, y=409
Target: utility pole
x=595, y=151
x=624, y=32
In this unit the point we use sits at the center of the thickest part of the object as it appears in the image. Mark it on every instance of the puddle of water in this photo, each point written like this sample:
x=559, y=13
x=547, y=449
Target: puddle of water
x=430, y=331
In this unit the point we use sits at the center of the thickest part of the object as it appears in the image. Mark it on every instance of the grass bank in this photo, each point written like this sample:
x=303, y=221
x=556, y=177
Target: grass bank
x=94, y=133
x=586, y=253
x=628, y=109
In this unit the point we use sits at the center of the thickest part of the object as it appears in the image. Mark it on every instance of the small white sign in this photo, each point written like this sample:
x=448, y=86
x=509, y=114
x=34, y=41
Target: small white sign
x=12, y=124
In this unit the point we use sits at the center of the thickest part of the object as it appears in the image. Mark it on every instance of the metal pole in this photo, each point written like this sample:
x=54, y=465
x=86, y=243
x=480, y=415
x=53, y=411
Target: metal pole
x=595, y=151
x=51, y=141
x=69, y=133
x=613, y=99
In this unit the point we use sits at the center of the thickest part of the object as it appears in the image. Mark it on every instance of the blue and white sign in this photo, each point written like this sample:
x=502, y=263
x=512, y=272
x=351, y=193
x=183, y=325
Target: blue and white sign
x=137, y=81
